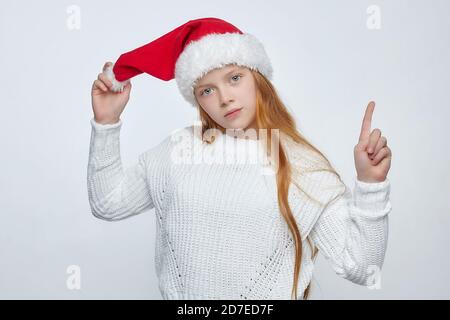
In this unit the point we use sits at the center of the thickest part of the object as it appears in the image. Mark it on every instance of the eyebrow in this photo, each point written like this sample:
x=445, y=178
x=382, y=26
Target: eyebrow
x=211, y=84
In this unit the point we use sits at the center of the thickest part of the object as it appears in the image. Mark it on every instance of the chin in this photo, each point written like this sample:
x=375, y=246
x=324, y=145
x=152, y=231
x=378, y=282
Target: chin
x=237, y=125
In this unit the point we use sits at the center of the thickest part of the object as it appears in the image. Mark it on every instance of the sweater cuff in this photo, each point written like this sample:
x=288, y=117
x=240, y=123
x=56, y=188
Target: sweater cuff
x=372, y=199
x=105, y=137
x=102, y=127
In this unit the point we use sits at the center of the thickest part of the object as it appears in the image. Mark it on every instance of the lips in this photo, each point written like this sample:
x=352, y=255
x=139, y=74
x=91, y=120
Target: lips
x=232, y=111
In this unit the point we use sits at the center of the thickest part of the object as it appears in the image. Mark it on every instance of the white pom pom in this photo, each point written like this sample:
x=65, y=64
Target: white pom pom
x=117, y=86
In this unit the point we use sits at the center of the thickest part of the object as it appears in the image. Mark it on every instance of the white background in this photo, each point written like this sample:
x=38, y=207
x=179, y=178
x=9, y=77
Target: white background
x=327, y=66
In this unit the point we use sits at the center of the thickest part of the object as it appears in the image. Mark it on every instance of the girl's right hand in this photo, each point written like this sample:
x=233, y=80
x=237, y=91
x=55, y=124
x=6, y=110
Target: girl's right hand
x=106, y=104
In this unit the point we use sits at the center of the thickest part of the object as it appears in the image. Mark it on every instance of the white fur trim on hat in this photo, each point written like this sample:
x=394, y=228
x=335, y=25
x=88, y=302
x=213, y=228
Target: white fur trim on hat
x=117, y=86
x=215, y=51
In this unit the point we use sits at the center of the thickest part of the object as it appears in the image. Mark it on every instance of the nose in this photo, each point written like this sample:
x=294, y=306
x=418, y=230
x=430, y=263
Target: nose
x=225, y=98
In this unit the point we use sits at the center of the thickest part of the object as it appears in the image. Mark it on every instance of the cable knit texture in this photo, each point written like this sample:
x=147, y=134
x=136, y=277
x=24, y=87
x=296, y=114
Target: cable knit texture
x=219, y=231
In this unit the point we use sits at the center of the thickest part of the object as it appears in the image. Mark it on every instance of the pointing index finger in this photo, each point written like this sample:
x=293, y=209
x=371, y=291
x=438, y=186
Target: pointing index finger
x=367, y=121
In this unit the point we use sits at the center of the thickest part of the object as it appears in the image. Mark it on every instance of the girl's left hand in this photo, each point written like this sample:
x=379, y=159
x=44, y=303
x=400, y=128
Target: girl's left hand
x=372, y=155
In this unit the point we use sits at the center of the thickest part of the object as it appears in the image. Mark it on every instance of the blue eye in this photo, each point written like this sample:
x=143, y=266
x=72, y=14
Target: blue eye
x=236, y=75
x=205, y=90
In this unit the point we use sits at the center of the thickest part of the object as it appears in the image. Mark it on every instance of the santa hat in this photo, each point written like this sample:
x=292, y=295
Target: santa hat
x=188, y=52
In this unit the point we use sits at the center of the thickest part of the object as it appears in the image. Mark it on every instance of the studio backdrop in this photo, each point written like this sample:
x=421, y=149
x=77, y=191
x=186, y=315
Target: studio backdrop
x=330, y=59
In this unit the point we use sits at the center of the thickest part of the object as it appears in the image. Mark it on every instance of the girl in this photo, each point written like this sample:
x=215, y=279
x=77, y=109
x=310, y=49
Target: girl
x=228, y=230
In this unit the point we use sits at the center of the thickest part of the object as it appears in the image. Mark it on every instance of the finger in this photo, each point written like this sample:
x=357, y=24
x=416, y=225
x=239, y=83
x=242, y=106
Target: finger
x=367, y=121
x=383, y=153
x=100, y=85
x=382, y=142
x=373, y=140
x=106, y=65
x=127, y=86
x=387, y=158
x=102, y=77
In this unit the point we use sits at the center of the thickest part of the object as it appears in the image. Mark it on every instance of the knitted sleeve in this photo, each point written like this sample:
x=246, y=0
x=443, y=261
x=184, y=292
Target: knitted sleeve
x=114, y=193
x=352, y=232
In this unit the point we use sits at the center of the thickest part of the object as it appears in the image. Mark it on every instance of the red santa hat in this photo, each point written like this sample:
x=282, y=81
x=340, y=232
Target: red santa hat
x=188, y=52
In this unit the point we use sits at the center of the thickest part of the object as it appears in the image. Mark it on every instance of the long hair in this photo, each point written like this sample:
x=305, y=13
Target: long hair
x=271, y=113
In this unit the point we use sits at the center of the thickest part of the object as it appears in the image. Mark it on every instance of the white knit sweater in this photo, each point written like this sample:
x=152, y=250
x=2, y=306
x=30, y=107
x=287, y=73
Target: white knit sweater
x=219, y=231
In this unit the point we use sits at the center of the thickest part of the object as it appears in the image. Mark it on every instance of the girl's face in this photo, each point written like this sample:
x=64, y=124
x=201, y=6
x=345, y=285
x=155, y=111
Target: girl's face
x=224, y=89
